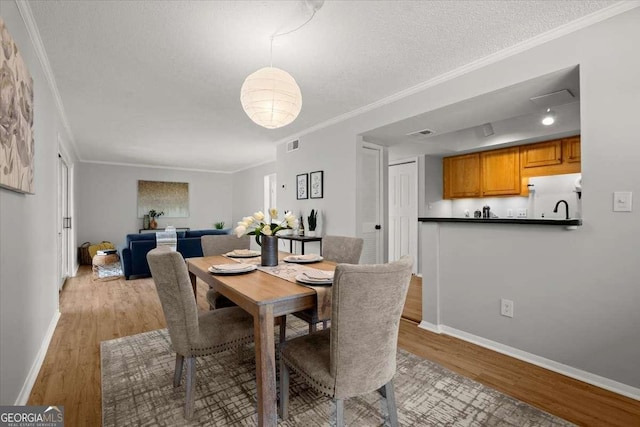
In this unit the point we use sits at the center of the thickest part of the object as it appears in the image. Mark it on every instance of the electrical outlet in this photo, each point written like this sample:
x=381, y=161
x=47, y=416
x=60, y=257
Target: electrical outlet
x=506, y=307
x=522, y=213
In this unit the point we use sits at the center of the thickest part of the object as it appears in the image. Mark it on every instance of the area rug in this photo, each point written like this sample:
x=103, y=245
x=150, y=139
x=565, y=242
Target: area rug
x=137, y=374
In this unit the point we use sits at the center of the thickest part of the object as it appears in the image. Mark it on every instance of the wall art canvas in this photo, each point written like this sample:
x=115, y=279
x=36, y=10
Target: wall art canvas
x=317, y=182
x=172, y=198
x=302, y=186
x=16, y=118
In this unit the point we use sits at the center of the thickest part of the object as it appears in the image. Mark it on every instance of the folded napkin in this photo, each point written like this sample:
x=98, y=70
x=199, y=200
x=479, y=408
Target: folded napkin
x=230, y=267
x=318, y=275
x=244, y=252
x=304, y=257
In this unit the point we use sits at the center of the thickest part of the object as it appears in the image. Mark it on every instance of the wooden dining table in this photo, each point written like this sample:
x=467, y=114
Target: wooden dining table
x=265, y=297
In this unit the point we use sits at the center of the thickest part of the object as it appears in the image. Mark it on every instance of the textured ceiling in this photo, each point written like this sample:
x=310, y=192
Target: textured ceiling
x=158, y=83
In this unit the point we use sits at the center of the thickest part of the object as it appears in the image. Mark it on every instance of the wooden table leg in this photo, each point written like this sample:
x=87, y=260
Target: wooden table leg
x=265, y=366
x=193, y=279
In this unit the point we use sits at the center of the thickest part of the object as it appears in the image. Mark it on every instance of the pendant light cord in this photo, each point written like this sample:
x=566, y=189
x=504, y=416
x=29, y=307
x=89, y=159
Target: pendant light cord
x=287, y=32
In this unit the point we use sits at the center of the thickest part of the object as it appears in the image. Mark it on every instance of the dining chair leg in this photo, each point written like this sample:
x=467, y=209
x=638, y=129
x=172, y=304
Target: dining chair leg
x=324, y=324
x=390, y=396
x=312, y=327
x=338, y=413
x=191, y=387
x=177, y=374
x=284, y=390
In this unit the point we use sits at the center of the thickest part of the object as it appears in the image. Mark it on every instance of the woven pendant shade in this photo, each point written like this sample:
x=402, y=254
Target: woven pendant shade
x=271, y=97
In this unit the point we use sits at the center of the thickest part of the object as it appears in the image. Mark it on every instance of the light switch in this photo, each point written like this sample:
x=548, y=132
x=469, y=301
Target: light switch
x=622, y=201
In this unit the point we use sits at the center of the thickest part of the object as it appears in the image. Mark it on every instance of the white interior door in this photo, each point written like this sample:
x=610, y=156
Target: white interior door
x=370, y=203
x=64, y=222
x=403, y=211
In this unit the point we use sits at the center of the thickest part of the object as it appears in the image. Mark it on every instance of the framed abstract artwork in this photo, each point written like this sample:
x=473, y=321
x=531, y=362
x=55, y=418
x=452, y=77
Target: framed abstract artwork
x=302, y=186
x=16, y=118
x=172, y=198
x=317, y=182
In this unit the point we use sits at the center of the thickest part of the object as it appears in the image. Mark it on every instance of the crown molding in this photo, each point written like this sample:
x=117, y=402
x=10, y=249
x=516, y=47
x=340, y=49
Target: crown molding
x=141, y=165
x=36, y=40
x=563, y=30
x=255, y=165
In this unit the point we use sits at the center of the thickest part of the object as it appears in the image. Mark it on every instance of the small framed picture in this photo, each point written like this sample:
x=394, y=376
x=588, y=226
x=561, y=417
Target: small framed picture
x=316, y=184
x=302, y=186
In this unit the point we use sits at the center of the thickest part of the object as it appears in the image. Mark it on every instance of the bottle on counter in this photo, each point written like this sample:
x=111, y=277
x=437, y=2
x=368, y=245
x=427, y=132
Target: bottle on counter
x=477, y=214
x=486, y=211
x=301, y=227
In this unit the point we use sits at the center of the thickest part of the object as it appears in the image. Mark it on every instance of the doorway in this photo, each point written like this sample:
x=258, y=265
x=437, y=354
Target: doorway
x=403, y=211
x=64, y=223
x=270, y=192
x=370, y=202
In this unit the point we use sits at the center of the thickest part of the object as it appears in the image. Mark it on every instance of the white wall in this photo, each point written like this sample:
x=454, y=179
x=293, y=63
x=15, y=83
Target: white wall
x=108, y=200
x=332, y=150
x=576, y=293
x=28, y=238
x=248, y=191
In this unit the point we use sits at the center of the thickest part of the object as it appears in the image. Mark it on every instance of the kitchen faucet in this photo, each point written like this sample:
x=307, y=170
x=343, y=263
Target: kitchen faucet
x=566, y=208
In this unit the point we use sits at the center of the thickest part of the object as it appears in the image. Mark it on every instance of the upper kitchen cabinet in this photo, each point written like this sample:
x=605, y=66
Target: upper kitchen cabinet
x=461, y=176
x=506, y=171
x=555, y=157
x=489, y=173
x=571, y=149
x=541, y=154
x=500, y=171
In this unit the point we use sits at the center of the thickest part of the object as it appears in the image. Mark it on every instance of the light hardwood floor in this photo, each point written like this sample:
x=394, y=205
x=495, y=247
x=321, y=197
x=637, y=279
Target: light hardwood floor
x=97, y=311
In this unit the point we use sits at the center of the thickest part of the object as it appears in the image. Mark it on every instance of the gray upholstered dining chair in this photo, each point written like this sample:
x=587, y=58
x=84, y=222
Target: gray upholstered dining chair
x=193, y=334
x=357, y=355
x=217, y=245
x=339, y=249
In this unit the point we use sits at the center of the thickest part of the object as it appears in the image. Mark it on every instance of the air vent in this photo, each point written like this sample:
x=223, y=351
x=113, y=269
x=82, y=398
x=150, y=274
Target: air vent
x=421, y=133
x=553, y=99
x=293, y=146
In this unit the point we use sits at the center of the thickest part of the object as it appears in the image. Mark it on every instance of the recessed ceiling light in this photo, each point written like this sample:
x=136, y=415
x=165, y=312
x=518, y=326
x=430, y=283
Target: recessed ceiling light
x=549, y=117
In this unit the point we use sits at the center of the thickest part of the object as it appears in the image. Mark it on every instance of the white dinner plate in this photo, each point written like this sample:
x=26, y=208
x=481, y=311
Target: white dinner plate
x=232, y=268
x=243, y=253
x=303, y=259
x=303, y=278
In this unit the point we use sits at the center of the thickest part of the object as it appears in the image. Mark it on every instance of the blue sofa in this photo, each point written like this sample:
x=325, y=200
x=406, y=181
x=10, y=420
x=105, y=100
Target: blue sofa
x=134, y=253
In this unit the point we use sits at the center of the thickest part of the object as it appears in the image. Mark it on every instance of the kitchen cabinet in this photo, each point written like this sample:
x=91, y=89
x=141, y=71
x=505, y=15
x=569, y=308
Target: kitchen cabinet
x=506, y=171
x=571, y=149
x=500, y=171
x=541, y=154
x=556, y=157
x=461, y=176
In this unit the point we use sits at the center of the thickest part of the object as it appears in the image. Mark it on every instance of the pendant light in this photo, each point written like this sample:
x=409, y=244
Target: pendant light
x=270, y=96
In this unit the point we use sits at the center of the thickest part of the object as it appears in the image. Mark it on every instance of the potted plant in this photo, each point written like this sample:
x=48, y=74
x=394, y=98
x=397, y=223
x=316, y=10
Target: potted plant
x=219, y=225
x=312, y=219
x=153, y=214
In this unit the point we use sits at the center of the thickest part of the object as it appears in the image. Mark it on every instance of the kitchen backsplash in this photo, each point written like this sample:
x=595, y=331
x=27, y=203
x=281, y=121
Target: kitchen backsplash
x=548, y=190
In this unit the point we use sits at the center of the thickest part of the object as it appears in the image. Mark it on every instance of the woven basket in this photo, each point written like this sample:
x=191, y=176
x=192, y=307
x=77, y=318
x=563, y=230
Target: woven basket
x=83, y=254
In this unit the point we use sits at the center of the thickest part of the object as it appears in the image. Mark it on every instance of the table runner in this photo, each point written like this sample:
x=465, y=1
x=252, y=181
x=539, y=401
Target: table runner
x=288, y=272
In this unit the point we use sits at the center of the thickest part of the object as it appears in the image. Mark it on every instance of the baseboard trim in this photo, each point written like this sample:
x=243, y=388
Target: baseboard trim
x=23, y=397
x=430, y=327
x=569, y=371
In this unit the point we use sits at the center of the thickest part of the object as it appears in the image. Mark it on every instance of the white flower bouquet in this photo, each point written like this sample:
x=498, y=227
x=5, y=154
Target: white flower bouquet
x=258, y=226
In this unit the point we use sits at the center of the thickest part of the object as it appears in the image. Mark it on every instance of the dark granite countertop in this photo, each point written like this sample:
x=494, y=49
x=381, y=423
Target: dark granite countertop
x=523, y=221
